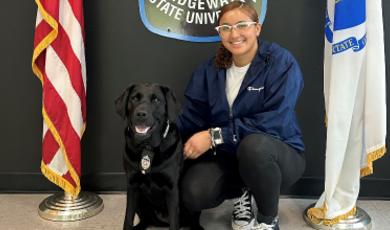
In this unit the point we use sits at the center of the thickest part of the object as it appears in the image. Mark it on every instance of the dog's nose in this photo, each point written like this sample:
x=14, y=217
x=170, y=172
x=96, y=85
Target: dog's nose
x=141, y=114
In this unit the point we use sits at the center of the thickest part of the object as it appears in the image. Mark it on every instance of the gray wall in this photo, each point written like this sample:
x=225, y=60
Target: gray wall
x=119, y=51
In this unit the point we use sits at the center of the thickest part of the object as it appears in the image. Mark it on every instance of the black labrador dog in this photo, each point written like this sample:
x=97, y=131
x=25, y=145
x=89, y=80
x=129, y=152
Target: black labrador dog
x=153, y=158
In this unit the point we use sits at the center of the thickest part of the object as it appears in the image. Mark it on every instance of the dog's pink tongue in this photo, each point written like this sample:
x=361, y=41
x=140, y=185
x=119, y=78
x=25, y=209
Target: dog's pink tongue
x=141, y=129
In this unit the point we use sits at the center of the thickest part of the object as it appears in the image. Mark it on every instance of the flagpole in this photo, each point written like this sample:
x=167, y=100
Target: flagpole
x=62, y=207
x=359, y=221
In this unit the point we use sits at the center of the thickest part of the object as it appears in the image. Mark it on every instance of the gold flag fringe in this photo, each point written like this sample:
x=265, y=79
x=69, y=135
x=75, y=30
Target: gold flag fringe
x=60, y=181
x=46, y=41
x=318, y=215
x=369, y=169
x=373, y=156
x=75, y=191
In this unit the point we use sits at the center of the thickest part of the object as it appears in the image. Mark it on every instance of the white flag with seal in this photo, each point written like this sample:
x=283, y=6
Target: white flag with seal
x=355, y=101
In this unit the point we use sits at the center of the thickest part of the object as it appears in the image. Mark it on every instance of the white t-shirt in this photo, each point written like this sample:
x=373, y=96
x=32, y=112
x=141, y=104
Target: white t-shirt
x=234, y=77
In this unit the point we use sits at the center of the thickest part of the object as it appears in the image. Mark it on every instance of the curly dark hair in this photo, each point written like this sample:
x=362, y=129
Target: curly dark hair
x=223, y=58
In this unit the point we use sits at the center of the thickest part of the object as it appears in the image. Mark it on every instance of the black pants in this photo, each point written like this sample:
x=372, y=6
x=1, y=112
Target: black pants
x=263, y=163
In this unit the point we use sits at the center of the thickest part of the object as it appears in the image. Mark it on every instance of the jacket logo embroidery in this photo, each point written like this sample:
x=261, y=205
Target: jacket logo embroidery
x=250, y=88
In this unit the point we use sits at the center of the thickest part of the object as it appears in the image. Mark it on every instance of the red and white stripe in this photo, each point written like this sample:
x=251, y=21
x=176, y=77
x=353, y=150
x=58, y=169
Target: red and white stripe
x=59, y=62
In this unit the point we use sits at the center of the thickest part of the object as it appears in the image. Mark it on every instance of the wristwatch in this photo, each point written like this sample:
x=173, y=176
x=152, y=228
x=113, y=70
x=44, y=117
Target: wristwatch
x=217, y=135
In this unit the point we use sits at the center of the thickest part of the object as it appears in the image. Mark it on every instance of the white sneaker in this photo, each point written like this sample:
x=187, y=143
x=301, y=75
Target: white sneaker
x=242, y=217
x=263, y=226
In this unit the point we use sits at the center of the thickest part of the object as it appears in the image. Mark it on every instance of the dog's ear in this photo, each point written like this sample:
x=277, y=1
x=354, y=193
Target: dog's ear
x=173, y=105
x=122, y=100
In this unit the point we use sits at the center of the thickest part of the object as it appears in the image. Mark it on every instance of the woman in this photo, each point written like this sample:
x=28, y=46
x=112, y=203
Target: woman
x=242, y=135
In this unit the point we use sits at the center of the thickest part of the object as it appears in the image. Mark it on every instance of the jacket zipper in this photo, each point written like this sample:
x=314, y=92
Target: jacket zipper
x=234, y=127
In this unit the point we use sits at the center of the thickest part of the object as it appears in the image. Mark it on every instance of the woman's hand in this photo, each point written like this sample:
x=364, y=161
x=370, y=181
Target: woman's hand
x=198, y=144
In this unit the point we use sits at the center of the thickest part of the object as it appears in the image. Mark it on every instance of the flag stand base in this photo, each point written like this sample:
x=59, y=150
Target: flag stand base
x=62, y=207
x=360, y=221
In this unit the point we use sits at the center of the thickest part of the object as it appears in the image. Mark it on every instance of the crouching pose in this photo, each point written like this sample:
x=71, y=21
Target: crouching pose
x=242, y=138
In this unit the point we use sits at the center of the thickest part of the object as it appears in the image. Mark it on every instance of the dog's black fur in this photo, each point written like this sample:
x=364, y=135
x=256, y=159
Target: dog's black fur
x=154, y=194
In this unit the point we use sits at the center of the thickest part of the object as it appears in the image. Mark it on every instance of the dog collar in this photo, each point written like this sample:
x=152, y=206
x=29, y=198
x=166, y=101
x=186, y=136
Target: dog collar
x=166, y=129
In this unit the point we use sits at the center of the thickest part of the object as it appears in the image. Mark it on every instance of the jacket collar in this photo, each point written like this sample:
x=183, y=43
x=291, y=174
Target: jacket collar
x=261, y=59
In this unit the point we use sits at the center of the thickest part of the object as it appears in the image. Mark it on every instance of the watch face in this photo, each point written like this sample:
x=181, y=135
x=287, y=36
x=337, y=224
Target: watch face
x=217, y=135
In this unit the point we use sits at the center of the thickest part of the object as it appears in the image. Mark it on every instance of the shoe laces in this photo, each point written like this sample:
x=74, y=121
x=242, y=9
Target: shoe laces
x=264, y=226
x=243, y=206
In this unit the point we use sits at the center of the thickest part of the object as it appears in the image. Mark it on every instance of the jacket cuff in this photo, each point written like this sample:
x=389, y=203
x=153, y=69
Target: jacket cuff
x=228, y=136
x=229, y=140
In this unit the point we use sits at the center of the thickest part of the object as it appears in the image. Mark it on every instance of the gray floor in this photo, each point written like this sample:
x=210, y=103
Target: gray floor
x=19, y=212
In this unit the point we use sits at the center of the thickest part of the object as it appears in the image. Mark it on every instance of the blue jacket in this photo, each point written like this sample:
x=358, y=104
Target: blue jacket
x=264, y=104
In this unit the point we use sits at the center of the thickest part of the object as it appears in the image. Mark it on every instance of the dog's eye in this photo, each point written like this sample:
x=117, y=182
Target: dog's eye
x=135, y=98
x=155, y=99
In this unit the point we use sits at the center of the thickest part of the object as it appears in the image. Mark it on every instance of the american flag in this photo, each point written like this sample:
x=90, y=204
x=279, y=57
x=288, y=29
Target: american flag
x=59, y=62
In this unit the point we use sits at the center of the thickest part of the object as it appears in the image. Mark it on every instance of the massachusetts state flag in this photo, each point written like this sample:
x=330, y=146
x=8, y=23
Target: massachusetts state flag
x=59, y=63
x=355, y=94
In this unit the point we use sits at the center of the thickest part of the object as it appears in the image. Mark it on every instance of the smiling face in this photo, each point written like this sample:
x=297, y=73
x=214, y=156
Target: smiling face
x=146, y=110
x=243, y=46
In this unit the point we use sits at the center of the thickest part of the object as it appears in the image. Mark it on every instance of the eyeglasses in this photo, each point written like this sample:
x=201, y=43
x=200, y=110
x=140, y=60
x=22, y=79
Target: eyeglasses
x=226, y=30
